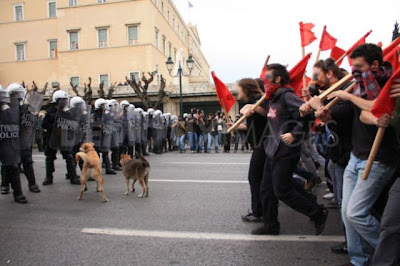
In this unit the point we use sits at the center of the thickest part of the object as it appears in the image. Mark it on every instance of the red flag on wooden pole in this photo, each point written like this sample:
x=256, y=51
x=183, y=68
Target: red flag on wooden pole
x=297, y=74
x=264, y=69
x=327, y=41
x=384, y=104
x=225, y=97
x=391, y=47
x=393, y=58
x=337, y=53
x=359, y=42
x=307, y=36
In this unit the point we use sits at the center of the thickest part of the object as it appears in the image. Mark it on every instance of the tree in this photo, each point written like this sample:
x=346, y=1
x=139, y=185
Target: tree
x=141, y=90
x=87, y=92
x=396, y=31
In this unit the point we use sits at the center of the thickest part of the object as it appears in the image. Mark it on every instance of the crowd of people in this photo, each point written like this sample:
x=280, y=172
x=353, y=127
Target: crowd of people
x=294, y=140
x=307, y=134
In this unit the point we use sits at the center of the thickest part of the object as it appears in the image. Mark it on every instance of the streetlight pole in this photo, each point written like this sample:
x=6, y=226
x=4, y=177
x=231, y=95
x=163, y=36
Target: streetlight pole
x=170, y=65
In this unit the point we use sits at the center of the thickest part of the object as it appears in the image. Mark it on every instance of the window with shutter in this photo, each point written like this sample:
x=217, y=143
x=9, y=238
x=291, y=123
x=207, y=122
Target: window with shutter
x=52, y=9
x=103, y=40
x=73, y=40
x=134, y=75
x=132, y=34
x=19, y=12
x=20, y=52
x=53, y=49
x=104, y=78
x=75, y=81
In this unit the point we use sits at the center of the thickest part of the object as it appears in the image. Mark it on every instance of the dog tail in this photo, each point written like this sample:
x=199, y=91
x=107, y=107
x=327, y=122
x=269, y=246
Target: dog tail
x=145, y=162
x=82, y=155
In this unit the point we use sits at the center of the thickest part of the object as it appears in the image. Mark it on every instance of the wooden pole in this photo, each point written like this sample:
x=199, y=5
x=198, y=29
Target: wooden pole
x=349, y=89
x=237, y=123
x=318, y=54
x=303, y=51
x=335, y=86
x=341, y=58
x=374, y=151
x=266, y=62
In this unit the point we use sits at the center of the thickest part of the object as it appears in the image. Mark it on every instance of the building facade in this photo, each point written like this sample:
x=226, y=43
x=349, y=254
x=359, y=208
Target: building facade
x=67, y=41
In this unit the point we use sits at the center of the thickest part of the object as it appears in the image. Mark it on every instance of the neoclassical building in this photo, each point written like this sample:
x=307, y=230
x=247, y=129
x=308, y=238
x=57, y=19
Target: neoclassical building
x=63, y=41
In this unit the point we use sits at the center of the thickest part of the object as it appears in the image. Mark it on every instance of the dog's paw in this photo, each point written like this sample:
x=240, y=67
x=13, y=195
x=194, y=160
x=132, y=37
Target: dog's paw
x=79, y=198
x=140, y=196
x=127, y=193
x=105, y=200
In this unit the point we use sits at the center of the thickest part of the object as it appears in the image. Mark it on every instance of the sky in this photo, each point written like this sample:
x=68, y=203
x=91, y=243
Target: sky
x=238, y=35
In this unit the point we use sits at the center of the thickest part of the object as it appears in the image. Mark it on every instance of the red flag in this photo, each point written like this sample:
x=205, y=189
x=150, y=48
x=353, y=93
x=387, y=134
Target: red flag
x=307, y=36
x=327, y=41
x=393, y=58
x=391, y=47
x=297, y=73
x=358, y=43
x=384, y=104
x=263, y=71
x=225, y=97
x=337, y=53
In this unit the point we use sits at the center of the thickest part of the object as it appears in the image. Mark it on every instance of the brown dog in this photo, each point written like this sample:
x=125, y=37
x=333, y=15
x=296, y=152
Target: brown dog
x=91, y=168
x=137, y=169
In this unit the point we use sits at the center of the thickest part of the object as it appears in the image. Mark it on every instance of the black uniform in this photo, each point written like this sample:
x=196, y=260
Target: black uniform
x=50, y=124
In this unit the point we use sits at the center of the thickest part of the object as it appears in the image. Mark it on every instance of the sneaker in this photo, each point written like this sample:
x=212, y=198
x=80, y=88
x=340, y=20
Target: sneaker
x=340, y=249
x=262, y=231
x=320, y=221
x=329, y=196
x=5, y=190
x=34, y=189
x=250, y=218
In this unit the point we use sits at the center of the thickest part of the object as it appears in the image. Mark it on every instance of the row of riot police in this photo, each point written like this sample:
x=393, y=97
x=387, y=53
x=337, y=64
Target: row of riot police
x=114, y=128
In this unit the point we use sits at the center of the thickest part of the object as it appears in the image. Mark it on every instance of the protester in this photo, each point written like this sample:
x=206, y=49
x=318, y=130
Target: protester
x=282, y=149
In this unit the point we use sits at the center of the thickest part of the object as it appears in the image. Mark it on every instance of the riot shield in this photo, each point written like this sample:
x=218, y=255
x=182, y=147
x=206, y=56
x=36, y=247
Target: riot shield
x=29, y=118
x=138, y=126
x=145, y=127
x=106, y=134
x=9, y=132
x=117, y=134
x=86, y=133
x=65, y=133
x=131, y=126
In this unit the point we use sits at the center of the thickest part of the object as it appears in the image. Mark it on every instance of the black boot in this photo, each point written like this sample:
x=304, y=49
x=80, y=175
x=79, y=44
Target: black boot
x=138, y=149
x=144, y=151
x=30, y=175
x=71, y=170
x=12, y=173
x=49, y=171
x=5, y=185
x=115, y=160
x=106, y=160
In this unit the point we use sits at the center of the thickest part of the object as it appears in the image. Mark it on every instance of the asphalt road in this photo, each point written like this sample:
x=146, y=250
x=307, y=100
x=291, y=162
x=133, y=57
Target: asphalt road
x=192, y=217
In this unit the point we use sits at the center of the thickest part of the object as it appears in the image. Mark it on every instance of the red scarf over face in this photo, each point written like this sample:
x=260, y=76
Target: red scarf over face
x=270, y=88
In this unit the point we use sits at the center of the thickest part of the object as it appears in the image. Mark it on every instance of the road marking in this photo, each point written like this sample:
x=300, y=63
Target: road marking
x=199, y=181
x=206, y=163
x=211, y=236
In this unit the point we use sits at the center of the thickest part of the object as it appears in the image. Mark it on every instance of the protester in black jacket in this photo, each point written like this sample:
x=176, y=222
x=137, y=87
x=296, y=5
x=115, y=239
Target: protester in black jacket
x=286, y=131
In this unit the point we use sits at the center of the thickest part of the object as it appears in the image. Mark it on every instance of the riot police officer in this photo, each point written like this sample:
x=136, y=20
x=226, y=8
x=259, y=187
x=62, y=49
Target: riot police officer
x=9, y=144
x=126, y=147
x=61, y=133
x=102, y=132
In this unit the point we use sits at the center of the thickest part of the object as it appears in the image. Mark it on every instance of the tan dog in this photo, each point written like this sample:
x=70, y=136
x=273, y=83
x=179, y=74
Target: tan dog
x=91, y=168
x=137, y=169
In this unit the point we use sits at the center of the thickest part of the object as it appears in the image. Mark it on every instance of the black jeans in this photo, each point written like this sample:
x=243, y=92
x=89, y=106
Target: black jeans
x=256, y=172
x=278, y=184
x=387, y=251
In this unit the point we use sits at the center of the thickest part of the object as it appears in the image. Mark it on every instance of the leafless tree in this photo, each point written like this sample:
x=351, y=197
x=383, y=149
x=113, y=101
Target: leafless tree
x=141, y=90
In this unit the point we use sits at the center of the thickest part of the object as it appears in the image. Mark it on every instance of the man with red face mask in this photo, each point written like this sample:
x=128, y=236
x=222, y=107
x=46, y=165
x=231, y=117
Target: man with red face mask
x=287, y=128
x=359, y=196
